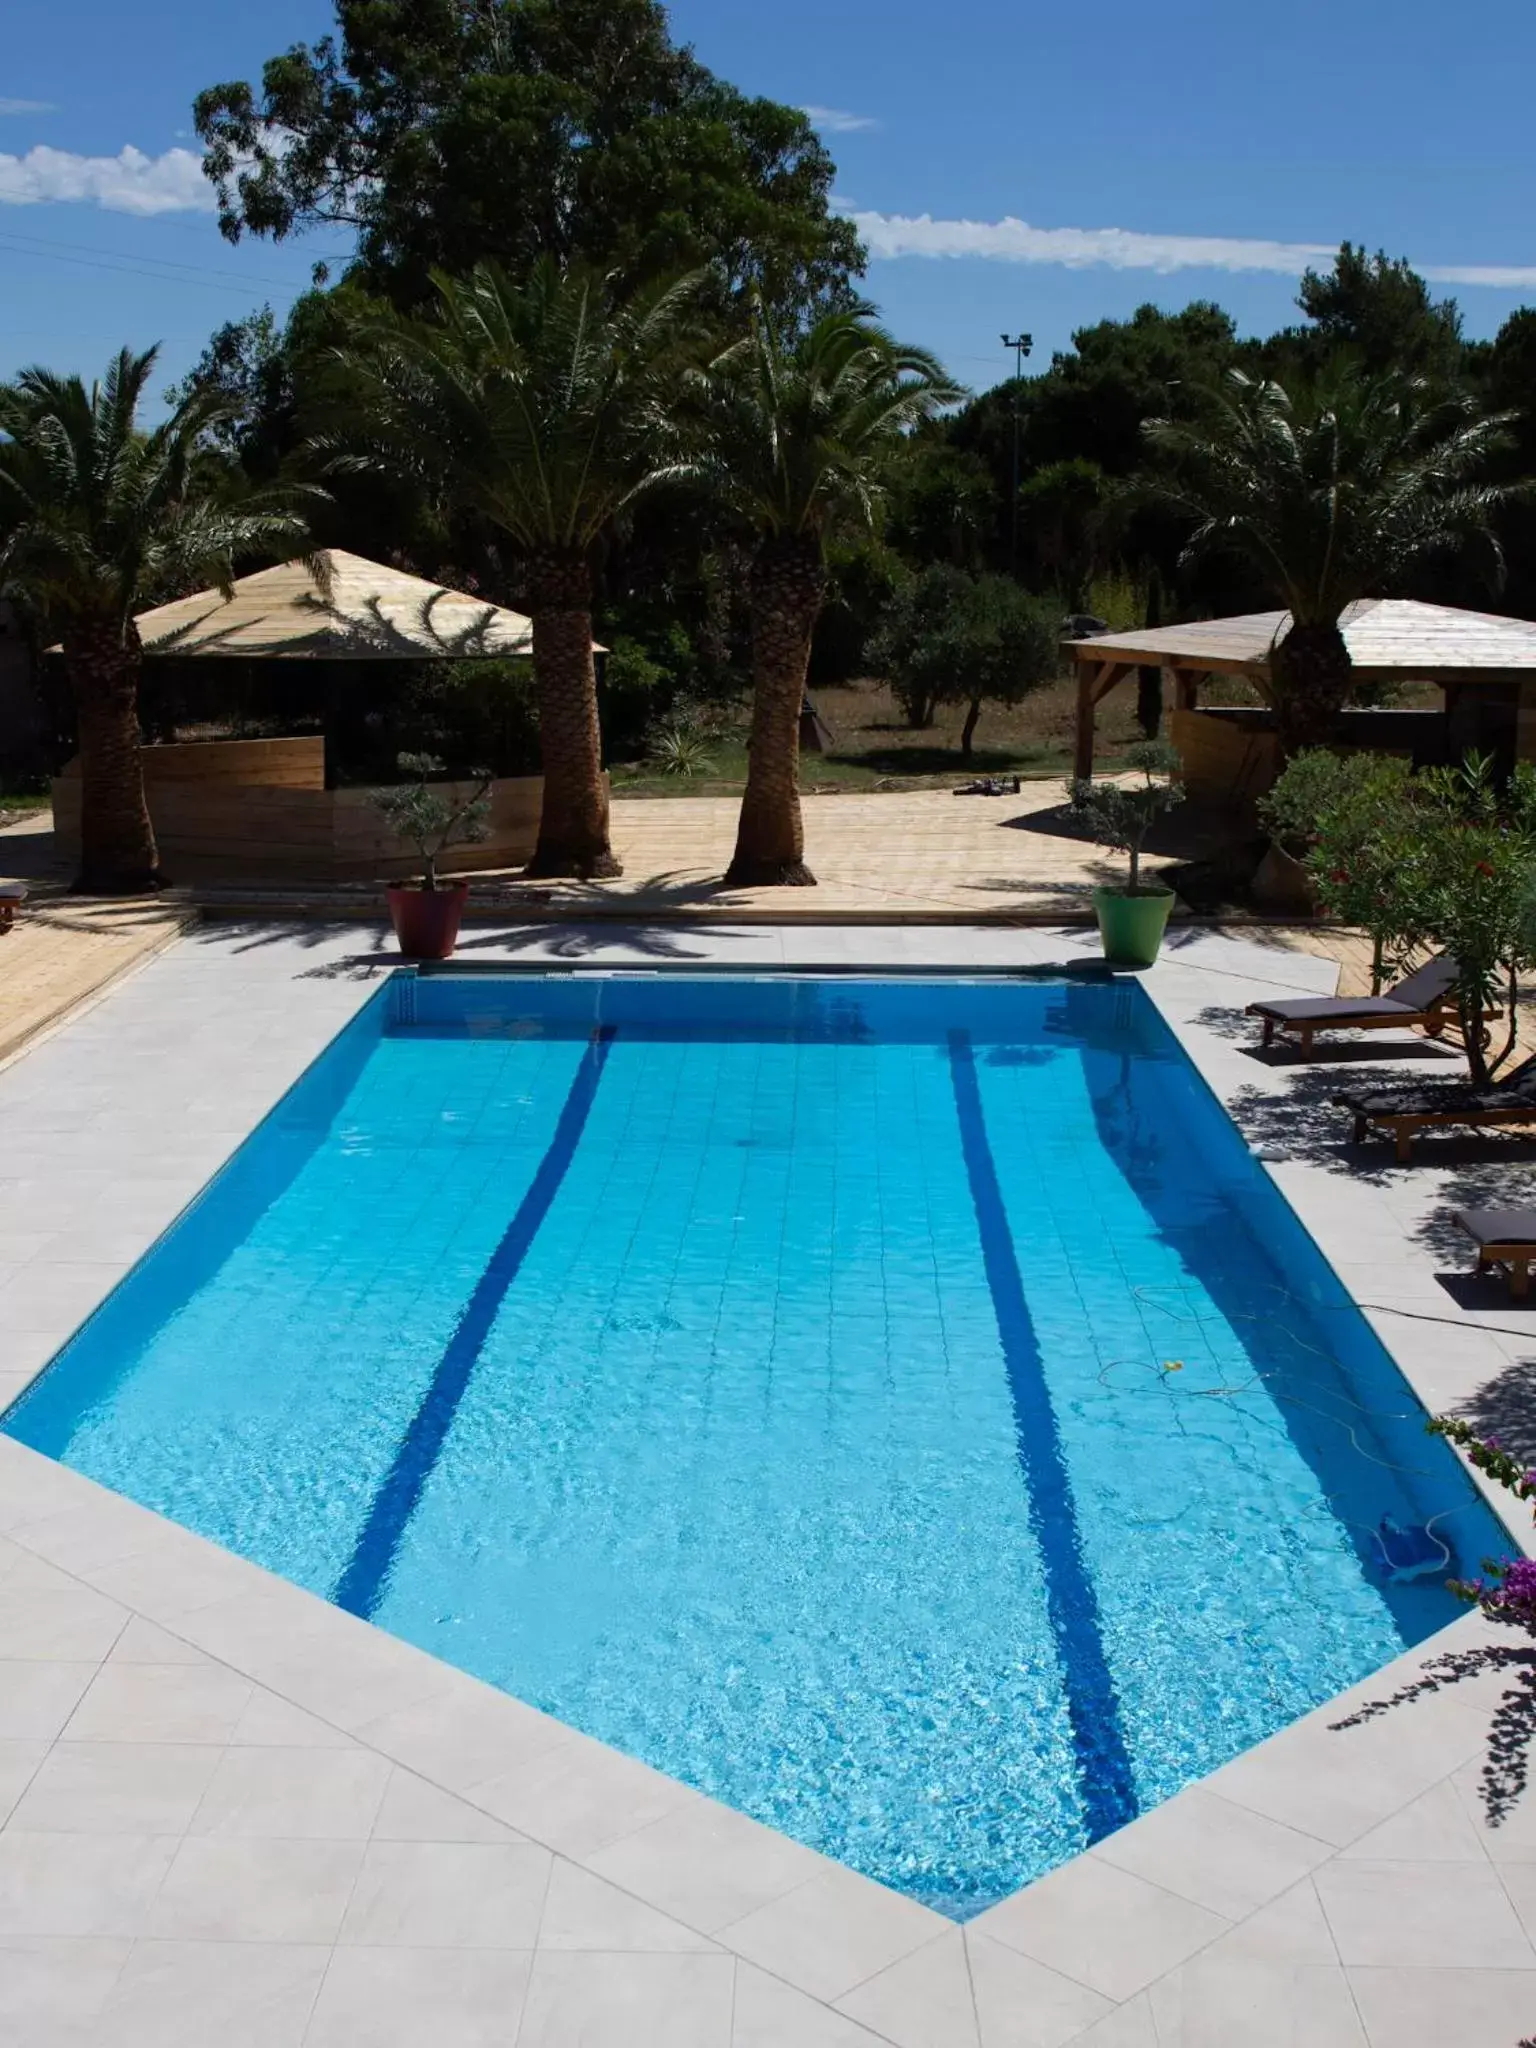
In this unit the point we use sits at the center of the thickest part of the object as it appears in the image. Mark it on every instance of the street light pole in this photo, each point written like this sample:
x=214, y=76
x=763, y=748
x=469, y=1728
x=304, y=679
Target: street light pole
x=1021, y=344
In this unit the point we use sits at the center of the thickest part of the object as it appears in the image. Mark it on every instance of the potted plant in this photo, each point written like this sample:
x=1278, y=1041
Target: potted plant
x=1118, y=814
x=426, y=913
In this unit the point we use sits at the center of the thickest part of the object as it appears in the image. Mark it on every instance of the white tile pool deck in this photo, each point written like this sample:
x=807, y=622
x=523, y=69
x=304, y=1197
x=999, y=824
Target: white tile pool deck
x=232, y=1814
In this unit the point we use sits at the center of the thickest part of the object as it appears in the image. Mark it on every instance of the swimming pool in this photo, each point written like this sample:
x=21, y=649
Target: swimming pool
x=902, y=1410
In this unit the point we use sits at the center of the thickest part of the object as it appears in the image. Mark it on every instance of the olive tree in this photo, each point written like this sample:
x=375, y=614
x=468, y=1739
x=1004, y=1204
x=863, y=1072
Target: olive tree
x=950, y=637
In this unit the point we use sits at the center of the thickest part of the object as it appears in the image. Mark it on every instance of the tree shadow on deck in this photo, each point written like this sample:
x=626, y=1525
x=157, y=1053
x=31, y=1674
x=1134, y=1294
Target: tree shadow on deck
x=1506, y=1408
x=1484, y=1178
x=28, y=853
x=576, y=941
x=1511, y=1731
x=254, y=933
x=1191, y=832
x=1304, y=1124
x=376, y=957
x=478, y=946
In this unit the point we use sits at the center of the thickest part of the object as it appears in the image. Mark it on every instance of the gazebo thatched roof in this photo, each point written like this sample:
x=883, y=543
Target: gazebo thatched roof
x=335, y=607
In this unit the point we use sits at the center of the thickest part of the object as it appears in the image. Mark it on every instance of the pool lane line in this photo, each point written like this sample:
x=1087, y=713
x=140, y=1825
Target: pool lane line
x=1106, y=1781
x=361, y=1586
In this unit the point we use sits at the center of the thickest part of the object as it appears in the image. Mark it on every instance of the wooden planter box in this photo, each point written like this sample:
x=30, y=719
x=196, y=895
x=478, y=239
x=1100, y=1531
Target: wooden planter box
x=247, y=808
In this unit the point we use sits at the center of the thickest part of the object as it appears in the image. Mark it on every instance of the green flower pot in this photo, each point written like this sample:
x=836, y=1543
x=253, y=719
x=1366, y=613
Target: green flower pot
x=1132, y=927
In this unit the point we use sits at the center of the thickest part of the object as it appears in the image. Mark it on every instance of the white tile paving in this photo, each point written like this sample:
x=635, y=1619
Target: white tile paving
x=229, y=1812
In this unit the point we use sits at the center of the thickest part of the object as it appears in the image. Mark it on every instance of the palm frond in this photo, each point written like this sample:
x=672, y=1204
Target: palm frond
x=545, y=407
x=100, y=517
x=1333, y=493
x=797, y=431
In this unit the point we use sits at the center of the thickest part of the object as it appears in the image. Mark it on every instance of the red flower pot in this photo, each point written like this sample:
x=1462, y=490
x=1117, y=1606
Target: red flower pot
x=426, y=921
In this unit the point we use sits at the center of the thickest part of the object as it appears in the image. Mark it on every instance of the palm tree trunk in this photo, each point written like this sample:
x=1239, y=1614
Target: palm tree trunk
x=1310, y=678
x=118, y=856
x=787, y=588
x=573, y=821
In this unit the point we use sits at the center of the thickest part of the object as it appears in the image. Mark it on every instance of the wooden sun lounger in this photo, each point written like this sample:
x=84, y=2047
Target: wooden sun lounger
x=1504, y=1237
x=1423, y=999
x=1403, y=1114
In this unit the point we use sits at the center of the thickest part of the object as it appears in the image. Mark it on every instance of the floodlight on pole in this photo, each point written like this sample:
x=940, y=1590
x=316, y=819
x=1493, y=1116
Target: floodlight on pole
x=1021, y=344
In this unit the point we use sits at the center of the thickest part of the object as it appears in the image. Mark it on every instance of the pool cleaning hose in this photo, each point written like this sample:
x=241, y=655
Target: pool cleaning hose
x=1415, y=1563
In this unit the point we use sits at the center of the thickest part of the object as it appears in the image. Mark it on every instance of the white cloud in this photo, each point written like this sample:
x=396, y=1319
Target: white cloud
x=1509, y=276
x=836, y=121
x=129, y=182
x=27, y=106
x=1015, y=241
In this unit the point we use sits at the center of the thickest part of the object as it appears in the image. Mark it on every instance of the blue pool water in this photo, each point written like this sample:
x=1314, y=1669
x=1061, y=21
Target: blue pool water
x=901, y=1410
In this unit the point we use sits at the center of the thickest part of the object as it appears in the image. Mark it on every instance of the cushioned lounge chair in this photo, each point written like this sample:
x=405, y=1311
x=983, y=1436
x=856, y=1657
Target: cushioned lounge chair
x=1423, y=998
x=1404, y=1112
x=12, y=896
x=1504, y=1237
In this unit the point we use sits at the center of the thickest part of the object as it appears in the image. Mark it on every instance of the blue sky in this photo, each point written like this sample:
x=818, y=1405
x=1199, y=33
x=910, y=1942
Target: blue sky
x=1220, y=142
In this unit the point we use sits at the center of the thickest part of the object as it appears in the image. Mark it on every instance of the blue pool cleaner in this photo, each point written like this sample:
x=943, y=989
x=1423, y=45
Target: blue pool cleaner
x=1408, y=1553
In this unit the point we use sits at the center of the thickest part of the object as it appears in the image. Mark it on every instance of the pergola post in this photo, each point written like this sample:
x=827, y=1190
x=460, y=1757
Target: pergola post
x=1082, y=751
x=1095, y=680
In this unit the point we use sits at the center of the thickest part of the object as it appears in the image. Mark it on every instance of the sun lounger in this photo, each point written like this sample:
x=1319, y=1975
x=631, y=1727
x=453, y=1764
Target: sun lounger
x=12, y=896
x=1504, y=1237
x=1424, y=998
x=1404, y=1112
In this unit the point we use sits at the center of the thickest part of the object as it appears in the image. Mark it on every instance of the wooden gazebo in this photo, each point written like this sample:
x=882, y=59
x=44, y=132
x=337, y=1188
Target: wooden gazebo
x=334, y=606
x=226, y=808
x=1484, y=664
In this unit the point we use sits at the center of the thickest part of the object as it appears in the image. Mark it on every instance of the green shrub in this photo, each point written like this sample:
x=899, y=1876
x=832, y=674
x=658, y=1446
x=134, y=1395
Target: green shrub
x=678, y=750
x=646, y=679
x=950, y=637
x=1317, y=784
x=1444, y=858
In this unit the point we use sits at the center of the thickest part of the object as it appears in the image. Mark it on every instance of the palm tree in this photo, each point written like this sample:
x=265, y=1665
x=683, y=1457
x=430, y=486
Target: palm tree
x=1330, y=494
x=98, y=519
x=542, y=410
x=800, y=434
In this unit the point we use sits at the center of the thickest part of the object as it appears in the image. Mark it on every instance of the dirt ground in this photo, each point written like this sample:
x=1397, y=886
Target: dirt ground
x=873, y=748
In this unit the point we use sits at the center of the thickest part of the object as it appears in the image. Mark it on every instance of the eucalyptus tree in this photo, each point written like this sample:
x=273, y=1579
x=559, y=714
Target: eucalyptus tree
x=543, y=410
x=442, y=133
x=800, y=432
x=101, y=518
x=1330, y=493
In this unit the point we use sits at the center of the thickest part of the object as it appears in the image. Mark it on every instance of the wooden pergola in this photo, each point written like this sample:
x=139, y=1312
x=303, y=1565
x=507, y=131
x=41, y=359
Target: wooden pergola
x=1390, y=639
